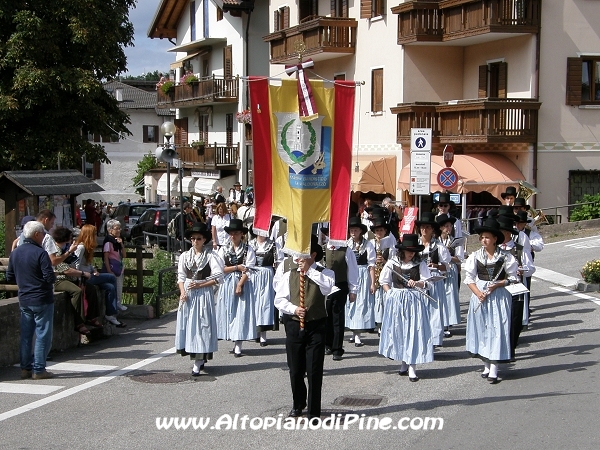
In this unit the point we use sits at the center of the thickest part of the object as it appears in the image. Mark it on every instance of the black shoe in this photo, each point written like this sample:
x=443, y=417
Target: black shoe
x=237, y=355
x=403, y=373
x=358, y=344
x=493, y=380
x=257, y=340
x=337, y=357
x=327, y=351
x=195, y=374
x=263, y=344
x=413, y=379
x=484, y=375
x=295, y=413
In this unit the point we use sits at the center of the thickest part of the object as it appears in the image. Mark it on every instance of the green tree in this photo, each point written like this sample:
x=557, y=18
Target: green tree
x=54, y=55
x=145, y=164
x=149, y=76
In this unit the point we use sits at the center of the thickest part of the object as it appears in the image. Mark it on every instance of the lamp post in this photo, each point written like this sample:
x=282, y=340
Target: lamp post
x=166, y=153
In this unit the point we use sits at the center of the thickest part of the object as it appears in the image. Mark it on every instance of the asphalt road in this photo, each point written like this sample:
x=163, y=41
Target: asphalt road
x=549, y=397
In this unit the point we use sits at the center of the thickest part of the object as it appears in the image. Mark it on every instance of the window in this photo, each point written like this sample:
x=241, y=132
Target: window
x=219, y=14
x=205, y=68
x=205, y=18
x=92, y=170
x=150, y=133
x=193, y=21
x=583, y=80
x=229, y=129
x=181, y=132
x=339, y=8
x=377, y=90
x=307, y=10
x=372, y=8
x=281, y=18
x=492, y=80
x=339, y=77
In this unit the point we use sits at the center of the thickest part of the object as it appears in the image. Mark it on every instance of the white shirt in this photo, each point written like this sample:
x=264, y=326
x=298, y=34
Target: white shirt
x=220, y=223
x=325, y=279
x=370, y=249
x=386, y=275
x=526, y=262
x=250, y=256
x=510, y=264
x=216, y=264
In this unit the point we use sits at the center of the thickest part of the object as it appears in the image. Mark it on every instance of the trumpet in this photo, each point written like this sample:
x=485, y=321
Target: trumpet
x=527, y=191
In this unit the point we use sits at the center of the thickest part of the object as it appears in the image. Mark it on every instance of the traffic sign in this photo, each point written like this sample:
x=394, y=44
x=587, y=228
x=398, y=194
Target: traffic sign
x=420, y=139
x=420, y=173
x=447, y=178
x=448, y=155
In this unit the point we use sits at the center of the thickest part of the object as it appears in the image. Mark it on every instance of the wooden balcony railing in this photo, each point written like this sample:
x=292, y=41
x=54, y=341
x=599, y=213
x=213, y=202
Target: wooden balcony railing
x=446, y=20
x=213, y=89
x=215, y=156
x=323, y=38
x=488, y=120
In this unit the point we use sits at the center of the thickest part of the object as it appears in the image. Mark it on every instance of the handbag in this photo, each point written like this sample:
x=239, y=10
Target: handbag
x=116, y=266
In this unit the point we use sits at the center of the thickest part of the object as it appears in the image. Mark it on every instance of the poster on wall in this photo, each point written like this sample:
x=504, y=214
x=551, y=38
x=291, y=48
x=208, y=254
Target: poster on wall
x=60, y=206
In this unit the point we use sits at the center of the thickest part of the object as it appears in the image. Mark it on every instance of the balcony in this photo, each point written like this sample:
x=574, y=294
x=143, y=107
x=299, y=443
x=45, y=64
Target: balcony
x=486, y=120
x=207, y=91
x=215, y=157
x=323, y=38
x=471, y=21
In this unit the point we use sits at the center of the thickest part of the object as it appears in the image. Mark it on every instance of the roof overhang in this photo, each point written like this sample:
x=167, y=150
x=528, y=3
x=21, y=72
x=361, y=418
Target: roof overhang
x=49, y=182
x=165, y=20
x=198, y=44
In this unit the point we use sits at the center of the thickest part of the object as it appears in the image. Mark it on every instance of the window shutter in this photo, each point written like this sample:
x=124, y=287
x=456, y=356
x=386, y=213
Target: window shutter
x=181, y=131
x=502, y=73
x=344, y=8
x=333, y=8
x=483, y=81
x=574, y=77
x=96, y=171
x=286, y=17
x=229, y=129
x=276, y=20
x=366, y=8
x=377, y=90
x=145, y=134
x=227, y=61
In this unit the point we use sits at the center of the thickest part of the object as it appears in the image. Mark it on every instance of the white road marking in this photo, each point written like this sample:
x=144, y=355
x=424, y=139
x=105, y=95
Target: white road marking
x=586, y=244
x=576, y=294
x=555, y=277
x=76, y=367
x=18, y=388
x=84, y=386
x=571, y=240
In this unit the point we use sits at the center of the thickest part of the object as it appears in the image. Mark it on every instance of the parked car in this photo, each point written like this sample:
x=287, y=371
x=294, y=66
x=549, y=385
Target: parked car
x=128, y=214
x=153, y=220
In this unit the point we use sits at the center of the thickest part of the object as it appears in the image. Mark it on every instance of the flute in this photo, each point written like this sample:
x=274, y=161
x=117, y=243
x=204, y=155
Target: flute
x=405, y=279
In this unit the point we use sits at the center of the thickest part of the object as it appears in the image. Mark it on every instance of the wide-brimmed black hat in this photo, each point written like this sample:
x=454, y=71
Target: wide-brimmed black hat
x=491, y=225
x=380, y=222
x=444, y=197
x=428, y=218
x=316, y=248
x=520, y=202
x=199, y=228
x=237, y=183
x=507, y=224
x=510, y=190
x=355, y=222
x=444, y=218
x=507, y=211
x=522, y=217
x=235, y=225
x=410, y=242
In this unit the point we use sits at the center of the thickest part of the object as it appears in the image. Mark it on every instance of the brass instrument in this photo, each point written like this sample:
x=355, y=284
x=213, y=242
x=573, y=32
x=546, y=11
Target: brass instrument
x=527, y=191
x=378, y=265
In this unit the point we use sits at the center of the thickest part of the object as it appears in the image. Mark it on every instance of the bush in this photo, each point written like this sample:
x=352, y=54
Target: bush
x=587, y=212
x=590, y=272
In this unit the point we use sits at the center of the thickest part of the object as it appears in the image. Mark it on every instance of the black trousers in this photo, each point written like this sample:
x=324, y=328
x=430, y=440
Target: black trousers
x=516, y=322
x=305, y=354
x=336, y=319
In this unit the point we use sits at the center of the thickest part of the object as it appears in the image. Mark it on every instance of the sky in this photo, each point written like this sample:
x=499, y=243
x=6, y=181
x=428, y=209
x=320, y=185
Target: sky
x=147, y=55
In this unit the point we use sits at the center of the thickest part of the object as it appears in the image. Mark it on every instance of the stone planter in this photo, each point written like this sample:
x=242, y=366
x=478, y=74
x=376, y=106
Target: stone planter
x=582, y=286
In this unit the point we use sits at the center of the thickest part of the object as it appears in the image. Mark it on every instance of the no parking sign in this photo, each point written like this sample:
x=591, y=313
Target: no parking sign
x=447, y=178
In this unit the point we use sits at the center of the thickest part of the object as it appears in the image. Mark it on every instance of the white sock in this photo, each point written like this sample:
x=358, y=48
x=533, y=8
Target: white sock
x=357, y=338
x=493, y=371
x=198, y=365
x=486, y=367
x=403, y=367
x=238, y=347
x=411, y=371
x=263, y=336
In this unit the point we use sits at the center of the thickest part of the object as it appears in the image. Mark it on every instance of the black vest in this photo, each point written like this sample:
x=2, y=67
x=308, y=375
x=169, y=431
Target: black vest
x=488, y=272
x=314, y=300
x=413, y=273
x=336, y=261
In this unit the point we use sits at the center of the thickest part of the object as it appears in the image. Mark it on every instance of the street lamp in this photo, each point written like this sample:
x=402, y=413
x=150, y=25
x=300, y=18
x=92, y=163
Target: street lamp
x=167, y=153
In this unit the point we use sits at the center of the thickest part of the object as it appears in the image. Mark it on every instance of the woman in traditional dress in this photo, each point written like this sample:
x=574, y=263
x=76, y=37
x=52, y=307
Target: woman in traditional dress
x=360, y=314
x=262, y=286
x=457, y=255
x=385, y=248
x=196, y=332
x=488, y=271
x=236, y=318
x=437, y=258
x=406, y=330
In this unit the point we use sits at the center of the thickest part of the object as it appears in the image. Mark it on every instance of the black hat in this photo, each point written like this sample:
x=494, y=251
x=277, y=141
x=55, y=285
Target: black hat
x=316, y=248
x=236, y=225
x=444, y=197
x=444, y=218
x=355, y=222
x=521, y=202
x=507, y=211
x=237, y=183
x=507, y=224
x=378, y=211
x=491, y=225
x=522, y=217
x=510, y=190
x=410, y=242
x=380, y=222
x=428, y=218
x=199, y=228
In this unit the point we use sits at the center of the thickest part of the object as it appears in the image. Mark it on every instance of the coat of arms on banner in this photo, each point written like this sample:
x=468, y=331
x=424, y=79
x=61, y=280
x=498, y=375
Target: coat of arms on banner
x=306, y=148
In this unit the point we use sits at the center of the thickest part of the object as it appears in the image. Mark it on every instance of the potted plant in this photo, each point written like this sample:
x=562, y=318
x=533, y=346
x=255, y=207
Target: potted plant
x=199, y=146
x=167, y=87
x=590, y=273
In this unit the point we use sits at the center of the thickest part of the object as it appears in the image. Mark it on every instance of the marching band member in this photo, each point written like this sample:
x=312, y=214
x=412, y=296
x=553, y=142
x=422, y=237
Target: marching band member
x=406, y=333
x=457, y=255
x=360, y=314
x=444, y=205
x=437, y=258
x=235, y=309
x=509, y=196
x=536, y=243
x=385, y=248
x=488, y=270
